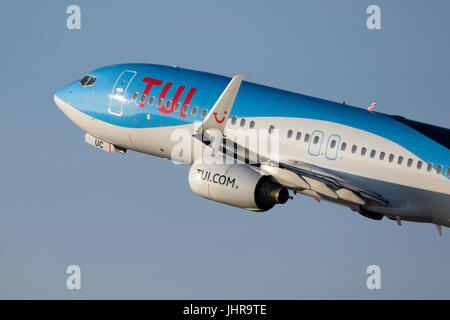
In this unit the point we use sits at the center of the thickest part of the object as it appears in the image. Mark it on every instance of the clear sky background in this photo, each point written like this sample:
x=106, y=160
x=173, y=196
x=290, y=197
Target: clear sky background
x=131, y=222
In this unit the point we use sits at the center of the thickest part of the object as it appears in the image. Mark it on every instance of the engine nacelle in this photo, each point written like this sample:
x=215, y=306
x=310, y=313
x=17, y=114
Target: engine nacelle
x=237, y=185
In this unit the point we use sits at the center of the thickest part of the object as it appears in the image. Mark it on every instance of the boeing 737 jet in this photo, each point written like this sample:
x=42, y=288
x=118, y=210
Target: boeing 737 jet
x=272, y=144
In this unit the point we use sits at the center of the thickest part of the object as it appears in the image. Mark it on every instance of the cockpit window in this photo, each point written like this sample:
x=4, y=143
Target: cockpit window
x=88, y=81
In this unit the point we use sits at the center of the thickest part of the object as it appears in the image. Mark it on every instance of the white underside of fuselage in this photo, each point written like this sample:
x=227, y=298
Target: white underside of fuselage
x=414, y=194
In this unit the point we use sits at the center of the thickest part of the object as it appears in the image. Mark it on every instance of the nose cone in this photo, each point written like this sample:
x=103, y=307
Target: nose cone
x=63, y=99
x=59, y=102
x=63, y=94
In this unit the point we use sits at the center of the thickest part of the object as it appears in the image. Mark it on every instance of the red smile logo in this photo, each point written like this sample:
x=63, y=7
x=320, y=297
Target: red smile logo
x=219, y=121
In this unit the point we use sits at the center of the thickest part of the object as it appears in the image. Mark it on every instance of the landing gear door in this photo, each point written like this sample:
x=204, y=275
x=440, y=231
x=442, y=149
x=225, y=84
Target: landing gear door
x=119, y=91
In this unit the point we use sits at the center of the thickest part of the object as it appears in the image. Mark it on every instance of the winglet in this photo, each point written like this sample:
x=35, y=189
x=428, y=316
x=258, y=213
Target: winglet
x=439, y=229
x=218, y=116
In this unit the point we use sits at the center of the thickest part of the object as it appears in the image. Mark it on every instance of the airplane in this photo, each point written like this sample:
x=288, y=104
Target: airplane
x=373, y=163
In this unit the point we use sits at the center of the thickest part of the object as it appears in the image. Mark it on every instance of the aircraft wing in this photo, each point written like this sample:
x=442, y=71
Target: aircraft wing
x=296, y=175
x=304, y=177
x=343, y=189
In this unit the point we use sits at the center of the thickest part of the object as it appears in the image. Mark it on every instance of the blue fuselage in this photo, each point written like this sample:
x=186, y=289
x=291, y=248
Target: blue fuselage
x=137, y=106
x=253, y=101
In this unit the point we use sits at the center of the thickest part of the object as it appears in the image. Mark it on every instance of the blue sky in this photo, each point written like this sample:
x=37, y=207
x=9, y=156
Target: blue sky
x=131, y=222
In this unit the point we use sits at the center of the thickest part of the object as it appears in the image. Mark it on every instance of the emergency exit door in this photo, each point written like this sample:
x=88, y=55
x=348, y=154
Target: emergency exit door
x=119, y=91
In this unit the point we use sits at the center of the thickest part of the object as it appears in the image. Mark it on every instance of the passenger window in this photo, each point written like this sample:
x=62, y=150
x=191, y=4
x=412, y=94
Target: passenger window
x=391, y=157
x=429, y=167
x=194, y=111
x=177, y=107
x=204, y=113
x=160, y=102
x=316, y=139
x=143, y=98
x=135, y=96
x=419, y=164
x=373, y=153
x=333, y=144
x=299, y=135
x=410, y=162
x=242, y=124
x=363, y=151
x=439, y=169
x=168, y=104
x=271, y=128
x=233, y=120
x=400, y=160
x=382, y=154
x=185, y=109
x=252, y=124
x=448, y=172
x=151, y=101
x=307, y=137
x=354, y=148
x=343, y=146
x=289, y=134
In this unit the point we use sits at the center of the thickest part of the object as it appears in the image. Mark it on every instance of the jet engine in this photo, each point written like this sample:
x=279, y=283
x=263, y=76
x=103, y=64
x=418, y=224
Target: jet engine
x=237, y=185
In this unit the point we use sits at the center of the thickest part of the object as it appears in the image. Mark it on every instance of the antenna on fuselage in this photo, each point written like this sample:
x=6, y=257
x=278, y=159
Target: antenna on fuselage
x=372, y=106
x=439, y=229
